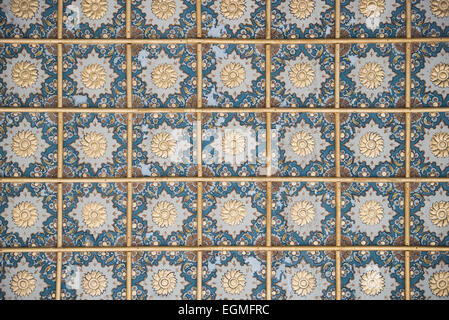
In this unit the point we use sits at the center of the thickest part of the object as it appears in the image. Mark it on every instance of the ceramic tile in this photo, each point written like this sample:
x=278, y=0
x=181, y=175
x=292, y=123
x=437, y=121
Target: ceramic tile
x=232, y=275
x=164, y=275
x=303, y=213
x=233, y=18
x=164, y=76
x=372, y=145
x=303, y=275
x=234, y=75
x=28, y=75
x=430, y=18
x=303, y=76
x=373, y=275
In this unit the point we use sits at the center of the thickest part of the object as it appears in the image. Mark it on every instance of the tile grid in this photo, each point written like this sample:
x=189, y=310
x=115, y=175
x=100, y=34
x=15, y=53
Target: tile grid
x=129, y=249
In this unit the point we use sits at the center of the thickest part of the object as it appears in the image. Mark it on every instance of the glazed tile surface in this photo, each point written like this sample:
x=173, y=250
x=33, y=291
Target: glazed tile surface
x=214, y=150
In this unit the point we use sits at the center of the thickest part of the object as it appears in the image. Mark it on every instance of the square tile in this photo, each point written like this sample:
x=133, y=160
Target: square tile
x=27, y=276
x=302, y=76
x=93, y=276
x=429, y=145
x=95, y=145
x=164, y=144
x=303, y=275
x=373, y=214
x=164, y=275
x=430, y=18
x=163, y=19
x=28, y=215
x=94, y=76
x=233, y=144
x=429, y=214
x=429, y=275
x=28, y=144
x=372, y=75
x=234, y=275
x=233, y=19
x=373, y=19
x=373, y=275
x=94, y=19
x=164, y=76
x=302, y=19
x=234, y=214
x=94, y=214
x=165, y=214
x=28, y=75
x=430, y=75
x=303, y=144
x=303, y=213
x=234, y=75
x=372, y=145
x=37, y=19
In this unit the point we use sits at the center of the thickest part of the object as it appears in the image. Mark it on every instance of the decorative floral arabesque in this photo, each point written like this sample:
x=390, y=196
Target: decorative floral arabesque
x=164, y=76
x=302, y=76
x=234, y=76
x=430, y=18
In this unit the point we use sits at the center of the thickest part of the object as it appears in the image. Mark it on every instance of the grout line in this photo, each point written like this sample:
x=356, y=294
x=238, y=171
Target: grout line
x=221, y=41
x=221, y=248
x=222, y=110
x=408, y=81
x=198, y=19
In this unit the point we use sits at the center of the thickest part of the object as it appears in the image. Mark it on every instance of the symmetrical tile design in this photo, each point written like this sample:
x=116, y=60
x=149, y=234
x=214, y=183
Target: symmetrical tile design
x=149, y=151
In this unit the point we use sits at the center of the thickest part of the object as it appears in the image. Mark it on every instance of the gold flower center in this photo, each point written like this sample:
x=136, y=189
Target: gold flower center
x=164, y=214
x=163, y=9
x=371, y=212
x=164, y=282
x=439, y=145
x=440, y=75
x=439, y=213
x=233, y=143
x=23, y=283
x=232, y=9
x=24, y=144
x=24, y=74
x=233, y=212
x=301, y=9
x=302, y=212
x=439, y=284
x=233, y=282
x=372, y=8
x=301, y=75
x=94, y=215
x=94, y=9
x=371, y=75
x=302, y=143
x=303, y=283
x=24, y=215
x=94, y=145
x=94, y=76
x=24, y=9
x=94, y=283
x=232, y=75
x=163, y=145
x=371, y=145
x=372, y=283
x=440, y=8
x=164, y=76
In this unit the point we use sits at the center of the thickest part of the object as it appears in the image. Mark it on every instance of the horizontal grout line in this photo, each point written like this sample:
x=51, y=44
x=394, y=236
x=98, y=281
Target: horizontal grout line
x=221, y=248
x=223, y=110
x=222, y=179
x=220, y=41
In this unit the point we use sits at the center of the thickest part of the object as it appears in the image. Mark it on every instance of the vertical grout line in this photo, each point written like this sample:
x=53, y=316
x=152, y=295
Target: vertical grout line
x=337, y=156
x=199, y=151
x=268, y=152
x=60, y=159
x=129, y=153
x=408, y=81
